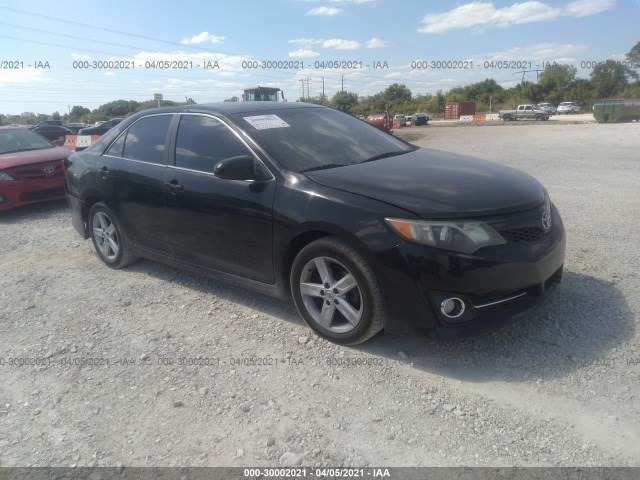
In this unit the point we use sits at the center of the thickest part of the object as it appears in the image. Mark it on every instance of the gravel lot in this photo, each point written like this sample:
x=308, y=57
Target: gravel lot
x=152, y=366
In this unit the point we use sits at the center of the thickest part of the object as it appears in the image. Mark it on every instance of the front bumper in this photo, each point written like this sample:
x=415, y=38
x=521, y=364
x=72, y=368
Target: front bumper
x=24, y=192
x=498, y=285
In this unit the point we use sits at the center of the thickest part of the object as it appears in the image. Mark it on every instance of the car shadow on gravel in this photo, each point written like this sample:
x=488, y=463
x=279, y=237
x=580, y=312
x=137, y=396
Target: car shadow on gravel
x=34, y=211
x=583, y=320
x=279, y=308
x=575, y=328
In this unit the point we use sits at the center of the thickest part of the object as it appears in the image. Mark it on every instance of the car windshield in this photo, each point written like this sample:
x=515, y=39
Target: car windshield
x=20, y=140
x=305, y=139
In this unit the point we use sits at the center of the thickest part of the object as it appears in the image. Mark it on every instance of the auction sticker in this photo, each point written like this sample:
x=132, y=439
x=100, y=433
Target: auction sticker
x=266, y=122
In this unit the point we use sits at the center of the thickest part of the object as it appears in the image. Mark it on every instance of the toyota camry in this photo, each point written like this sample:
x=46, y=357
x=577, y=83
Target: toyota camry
x=364, y=231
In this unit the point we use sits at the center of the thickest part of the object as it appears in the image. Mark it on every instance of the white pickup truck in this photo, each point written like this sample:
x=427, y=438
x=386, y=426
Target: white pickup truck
x=524, y=112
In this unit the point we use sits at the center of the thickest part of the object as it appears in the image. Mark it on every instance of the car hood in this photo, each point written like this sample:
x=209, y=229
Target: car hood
x=437, y=184
x=13, y=159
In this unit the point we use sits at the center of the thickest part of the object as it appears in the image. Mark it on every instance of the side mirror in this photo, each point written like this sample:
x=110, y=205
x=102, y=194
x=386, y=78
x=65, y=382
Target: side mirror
x=242, y=167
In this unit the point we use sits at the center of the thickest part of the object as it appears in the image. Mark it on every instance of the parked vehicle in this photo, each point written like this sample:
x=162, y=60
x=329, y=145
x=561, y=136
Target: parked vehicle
x=55, y=133
x=30, y=168
x=400, y=119
x=524, y=112
x=101, y=129
x=362, y=229
x=549, y=107
x=420, y=119
x=59, y=123
x=568, y=107
x=76, y=127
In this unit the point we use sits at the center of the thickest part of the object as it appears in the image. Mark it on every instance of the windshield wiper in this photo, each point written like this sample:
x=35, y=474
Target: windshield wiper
x=385, y=155
x=323, y=167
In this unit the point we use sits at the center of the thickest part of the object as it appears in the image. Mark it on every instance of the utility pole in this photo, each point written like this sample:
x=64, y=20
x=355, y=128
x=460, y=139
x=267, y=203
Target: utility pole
x=323, y=90
x=342, y=87
x=302, y=82
x=308, y=93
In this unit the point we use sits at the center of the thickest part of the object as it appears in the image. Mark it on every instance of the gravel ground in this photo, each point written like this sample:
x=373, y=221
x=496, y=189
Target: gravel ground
x=152, y=366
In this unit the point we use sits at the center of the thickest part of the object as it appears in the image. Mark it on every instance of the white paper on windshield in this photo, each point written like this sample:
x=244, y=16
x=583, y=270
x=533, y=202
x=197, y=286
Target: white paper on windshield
x=266, y=122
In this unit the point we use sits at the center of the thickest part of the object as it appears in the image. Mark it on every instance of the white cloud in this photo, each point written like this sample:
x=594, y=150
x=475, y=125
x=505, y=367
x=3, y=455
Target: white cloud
x=340, y=44
x=358, y=2
x=394, y=75
x=303, y=53
x=79, y=56
x=23, y=76
x=305, y=42
x=582, y=8
x=324, y=11
x=202, y=38
x=109, y=74
x=481, y=15
x=376, y=43
x=541, y=51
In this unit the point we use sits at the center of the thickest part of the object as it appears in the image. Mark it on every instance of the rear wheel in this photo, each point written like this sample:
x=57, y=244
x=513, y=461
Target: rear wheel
x=106, y=234
x=336, y=292
x=506, y=118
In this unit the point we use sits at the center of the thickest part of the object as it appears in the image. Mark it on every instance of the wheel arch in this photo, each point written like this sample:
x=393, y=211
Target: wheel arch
x=311, y=234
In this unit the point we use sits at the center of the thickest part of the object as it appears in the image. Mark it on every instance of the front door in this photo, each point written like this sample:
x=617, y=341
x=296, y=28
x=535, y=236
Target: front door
x=224, y=225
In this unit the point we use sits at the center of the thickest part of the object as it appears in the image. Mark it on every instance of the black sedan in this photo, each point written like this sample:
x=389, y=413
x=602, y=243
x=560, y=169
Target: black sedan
x=363, y=230
x=54, y=133
x=101, y=129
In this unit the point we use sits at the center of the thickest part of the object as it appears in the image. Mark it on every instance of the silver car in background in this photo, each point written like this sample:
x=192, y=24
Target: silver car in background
x=568, y=107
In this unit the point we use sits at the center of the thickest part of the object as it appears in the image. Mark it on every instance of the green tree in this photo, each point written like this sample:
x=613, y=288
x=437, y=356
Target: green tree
x=55, y=116
x=554, y=81
x=77, y=112
x=344, y=101
x=232, y=99
x=610, y=79
x=633, y=57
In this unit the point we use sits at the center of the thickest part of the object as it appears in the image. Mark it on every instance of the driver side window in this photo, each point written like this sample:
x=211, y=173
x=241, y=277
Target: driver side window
x=203, y=141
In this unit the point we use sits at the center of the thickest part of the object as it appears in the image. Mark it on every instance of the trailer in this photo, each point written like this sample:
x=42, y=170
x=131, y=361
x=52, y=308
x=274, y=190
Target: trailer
x=617, y=110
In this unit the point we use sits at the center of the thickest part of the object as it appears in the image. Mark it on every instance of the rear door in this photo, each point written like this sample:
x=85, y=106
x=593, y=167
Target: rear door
x=224, y=225
x=131, y=175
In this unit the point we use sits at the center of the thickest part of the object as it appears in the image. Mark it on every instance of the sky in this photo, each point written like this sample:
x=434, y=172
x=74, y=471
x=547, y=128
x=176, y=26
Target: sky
x=54, y=58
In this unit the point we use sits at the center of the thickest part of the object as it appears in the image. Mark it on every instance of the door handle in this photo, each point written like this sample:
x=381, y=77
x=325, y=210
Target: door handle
x=104, y=172
x=174, y=186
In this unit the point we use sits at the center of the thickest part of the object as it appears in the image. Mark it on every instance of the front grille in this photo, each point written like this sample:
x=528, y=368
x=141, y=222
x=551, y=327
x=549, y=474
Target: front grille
x=37, y=170
x=42, y=194
x=523, y=235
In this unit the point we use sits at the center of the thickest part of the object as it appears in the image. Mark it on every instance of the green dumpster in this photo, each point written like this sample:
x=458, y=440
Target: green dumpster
x=617, y=110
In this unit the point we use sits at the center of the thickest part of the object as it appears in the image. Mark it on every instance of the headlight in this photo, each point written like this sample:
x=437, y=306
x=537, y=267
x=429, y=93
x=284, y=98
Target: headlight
x=462, y=236
x=5, y=177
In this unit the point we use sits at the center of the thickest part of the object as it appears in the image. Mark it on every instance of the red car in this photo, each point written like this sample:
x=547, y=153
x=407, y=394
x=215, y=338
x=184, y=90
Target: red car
x=30, y=168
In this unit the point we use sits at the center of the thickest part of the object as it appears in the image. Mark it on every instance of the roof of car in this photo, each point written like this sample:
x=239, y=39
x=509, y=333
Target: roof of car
x=234, y=107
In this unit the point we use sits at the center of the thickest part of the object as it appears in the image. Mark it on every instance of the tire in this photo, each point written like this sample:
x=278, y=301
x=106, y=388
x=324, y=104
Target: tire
x=539, y=117
x=506, y=118
x=351, y=309
x=107, y=238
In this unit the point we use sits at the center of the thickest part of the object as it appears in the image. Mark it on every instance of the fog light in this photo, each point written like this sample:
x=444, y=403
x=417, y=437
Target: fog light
x=452, y=307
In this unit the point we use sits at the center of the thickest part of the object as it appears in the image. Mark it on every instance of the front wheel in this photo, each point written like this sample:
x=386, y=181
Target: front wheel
x=336, y=292
x=107, y=237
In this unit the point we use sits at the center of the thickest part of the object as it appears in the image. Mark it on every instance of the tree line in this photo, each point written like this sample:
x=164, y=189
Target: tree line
x=556, y=84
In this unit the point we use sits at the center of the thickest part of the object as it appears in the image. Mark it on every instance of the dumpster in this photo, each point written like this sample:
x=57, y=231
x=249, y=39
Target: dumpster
x=383, y=121
x=617, y=110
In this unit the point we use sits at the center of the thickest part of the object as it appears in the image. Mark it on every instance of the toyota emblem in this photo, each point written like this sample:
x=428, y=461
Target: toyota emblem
x=546, y=220
x=49, y=169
